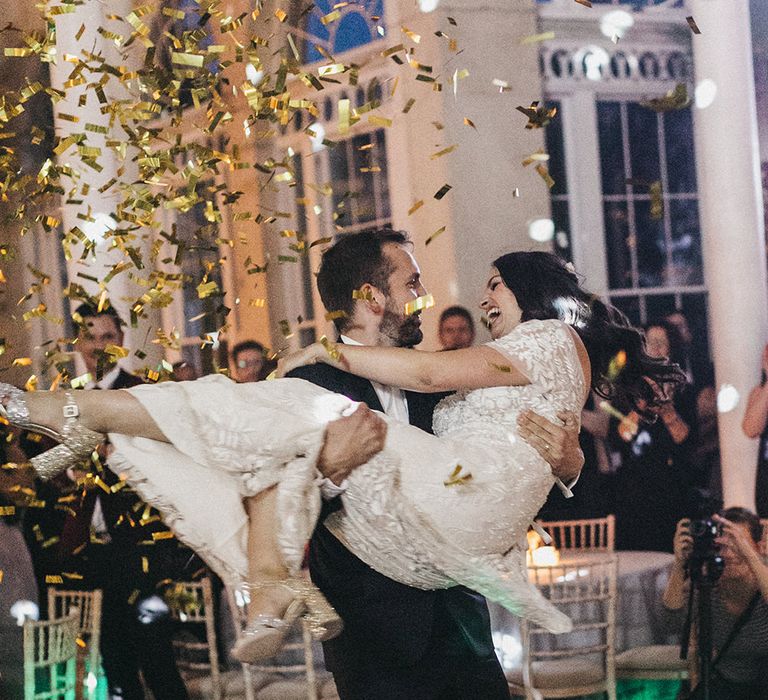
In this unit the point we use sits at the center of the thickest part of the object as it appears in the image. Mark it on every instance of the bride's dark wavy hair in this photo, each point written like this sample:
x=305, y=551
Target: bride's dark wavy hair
x=545, y=288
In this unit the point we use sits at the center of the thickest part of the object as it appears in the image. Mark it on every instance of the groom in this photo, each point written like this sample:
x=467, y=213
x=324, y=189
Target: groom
x=398, y=643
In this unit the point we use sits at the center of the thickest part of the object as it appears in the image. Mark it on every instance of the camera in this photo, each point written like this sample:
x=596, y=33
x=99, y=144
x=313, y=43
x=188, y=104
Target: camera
x=705, y=562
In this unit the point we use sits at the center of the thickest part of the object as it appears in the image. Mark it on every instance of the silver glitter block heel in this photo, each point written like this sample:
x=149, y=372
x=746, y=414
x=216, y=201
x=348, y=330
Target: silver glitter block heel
x=76, y=441
x=265, y=635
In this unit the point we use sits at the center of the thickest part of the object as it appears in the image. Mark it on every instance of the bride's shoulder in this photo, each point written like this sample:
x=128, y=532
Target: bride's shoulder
x=537, y=326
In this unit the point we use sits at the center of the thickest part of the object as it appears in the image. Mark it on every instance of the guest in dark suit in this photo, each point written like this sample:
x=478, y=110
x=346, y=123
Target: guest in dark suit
x=111, y=540
x=398, y=642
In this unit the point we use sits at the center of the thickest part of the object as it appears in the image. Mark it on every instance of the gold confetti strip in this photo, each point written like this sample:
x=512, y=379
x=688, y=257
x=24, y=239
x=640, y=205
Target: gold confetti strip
x=675, y=99
x=51, y=578
x=419, y=304
x=364, y=295
x=333, y=315
x=657, y=200
x=331, y=348
x=408, y=105
x=469, y=122
x=435, y=235
x=330, y=17
x=539, y=156
x=692, y=24
x=539, y=115
x=537, y=38
x=444, y=151
x=457, y=478
x=586, y=3
x=442, y=191
x=503, y=85
x=543, y=171
x=416, y=205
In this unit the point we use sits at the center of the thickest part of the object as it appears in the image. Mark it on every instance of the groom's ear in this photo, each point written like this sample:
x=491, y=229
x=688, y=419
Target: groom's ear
x=373, y=298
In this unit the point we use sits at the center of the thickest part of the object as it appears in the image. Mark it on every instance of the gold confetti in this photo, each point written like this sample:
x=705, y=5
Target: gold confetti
x=162, y=535
x=330, y=17
x=692, y=24
x=360, y=294
x=586, y=3
x=333, y=315
x=675, y=99
x=539, y=115
x=444, y=151
x=281, y=15
x=469, y=122
x=419, y=304
x=444, y=190
x=457, y=478
x=331, y=348
x=536, y=38
x=408, y=105
x=435, y=235
x=416, y=205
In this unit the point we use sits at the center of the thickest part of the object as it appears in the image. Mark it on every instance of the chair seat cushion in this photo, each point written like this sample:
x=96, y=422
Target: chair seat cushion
x=659, y=657
x=561, y=673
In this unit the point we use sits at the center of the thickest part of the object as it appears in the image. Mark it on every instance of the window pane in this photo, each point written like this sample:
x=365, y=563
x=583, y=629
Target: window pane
x=681, y=161
x=651, y=253
x=365, y=164
x=695, y=311
x=611, y=148
x=617, y=248
x=630, y=306
x=562, y=243
x=657, y=306
x=643, y=137
x=556, y=150
x=686, y=243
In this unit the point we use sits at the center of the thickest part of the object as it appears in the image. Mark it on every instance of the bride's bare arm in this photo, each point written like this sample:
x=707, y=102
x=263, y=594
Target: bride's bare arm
x=471, y=368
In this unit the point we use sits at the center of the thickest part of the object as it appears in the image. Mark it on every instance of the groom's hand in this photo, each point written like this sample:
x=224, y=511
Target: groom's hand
x=557, y=444
x=350, y=442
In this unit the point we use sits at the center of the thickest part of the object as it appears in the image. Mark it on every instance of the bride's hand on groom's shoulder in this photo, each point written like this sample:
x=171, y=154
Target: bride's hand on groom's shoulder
x=309, y=355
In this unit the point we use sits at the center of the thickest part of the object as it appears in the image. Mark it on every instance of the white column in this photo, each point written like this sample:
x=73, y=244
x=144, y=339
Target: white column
x=77, y=31
x=727, y=154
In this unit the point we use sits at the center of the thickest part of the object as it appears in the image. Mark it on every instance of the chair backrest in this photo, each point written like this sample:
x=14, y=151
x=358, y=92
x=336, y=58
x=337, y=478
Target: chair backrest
x=585, y=590
x=764, y=541
x=60, y=603
x=50, y=654
x=192, y=602
x=88, y=603
x=590, y=535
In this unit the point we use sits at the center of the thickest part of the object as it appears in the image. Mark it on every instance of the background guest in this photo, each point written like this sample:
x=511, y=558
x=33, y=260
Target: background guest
x=755, y=425
x=250, y=362
x=739, y=606
x=183, y=371
x=95, y=533
x=456, y=330
x=652, y=484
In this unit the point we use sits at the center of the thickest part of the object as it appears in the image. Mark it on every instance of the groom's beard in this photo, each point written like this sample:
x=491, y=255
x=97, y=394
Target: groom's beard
x=402, y=331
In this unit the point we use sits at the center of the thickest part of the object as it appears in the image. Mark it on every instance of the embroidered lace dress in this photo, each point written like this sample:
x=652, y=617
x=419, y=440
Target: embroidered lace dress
x=412, y=513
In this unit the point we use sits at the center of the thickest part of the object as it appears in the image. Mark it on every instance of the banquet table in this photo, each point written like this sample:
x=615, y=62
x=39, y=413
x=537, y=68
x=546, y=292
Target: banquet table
x=640, y=617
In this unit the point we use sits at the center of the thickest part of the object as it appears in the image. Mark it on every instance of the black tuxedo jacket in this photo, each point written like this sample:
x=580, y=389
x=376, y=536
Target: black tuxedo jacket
x=386, y=620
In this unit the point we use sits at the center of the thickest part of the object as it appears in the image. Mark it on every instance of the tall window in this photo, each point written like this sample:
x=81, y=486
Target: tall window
x=336, y=27
x=559, y=191
x=348, y=187
x=650, y=207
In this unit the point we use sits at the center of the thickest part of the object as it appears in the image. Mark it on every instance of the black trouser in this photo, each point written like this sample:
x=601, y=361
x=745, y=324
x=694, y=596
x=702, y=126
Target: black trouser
x=130, y=646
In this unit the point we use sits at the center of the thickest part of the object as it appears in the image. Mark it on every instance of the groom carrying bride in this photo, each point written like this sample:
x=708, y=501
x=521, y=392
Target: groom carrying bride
x=398, y=643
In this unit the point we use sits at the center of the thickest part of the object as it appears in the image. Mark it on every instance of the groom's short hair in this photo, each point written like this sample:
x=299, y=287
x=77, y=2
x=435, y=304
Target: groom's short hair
x=352, y=261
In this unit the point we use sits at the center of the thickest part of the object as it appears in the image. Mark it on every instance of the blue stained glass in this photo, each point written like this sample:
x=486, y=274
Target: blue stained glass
x=353, y=31
x=356, y=27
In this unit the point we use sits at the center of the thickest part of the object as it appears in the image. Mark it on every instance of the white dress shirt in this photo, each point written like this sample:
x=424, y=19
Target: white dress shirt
x=395, y=405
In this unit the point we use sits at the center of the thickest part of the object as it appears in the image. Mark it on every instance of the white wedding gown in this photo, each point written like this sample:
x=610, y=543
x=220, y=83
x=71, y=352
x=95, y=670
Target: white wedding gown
x=402, y=515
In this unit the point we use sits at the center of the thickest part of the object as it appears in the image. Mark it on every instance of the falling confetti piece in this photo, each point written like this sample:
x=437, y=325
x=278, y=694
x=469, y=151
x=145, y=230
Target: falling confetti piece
x=419, y=304
x=586, y=3
x=457, y=478
x=469, y=122
x=536, y=38
x=435, y=235
x=539, y=115
x=442, y=191
x=692, y=24
x=676, y=98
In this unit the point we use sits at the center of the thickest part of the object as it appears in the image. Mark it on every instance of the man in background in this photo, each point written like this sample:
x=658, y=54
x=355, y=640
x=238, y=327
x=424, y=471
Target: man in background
x=250, y=363
x=98, y=534
x=456, y=330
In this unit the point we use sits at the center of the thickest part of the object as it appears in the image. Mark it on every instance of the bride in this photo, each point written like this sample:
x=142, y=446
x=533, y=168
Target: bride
x=428, y=511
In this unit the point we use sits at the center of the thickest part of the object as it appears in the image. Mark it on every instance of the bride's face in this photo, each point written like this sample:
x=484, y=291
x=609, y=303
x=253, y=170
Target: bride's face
x=500, y=306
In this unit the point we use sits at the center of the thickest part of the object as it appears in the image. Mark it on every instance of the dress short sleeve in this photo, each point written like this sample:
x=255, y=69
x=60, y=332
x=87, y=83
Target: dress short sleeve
x=544, y=352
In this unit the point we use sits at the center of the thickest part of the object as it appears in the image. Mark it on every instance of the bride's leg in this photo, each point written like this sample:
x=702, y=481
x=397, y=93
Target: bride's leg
x=265, y=561
x=110, y=411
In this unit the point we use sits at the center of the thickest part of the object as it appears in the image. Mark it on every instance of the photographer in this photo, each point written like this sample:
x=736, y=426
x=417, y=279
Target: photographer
x=739, y=605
